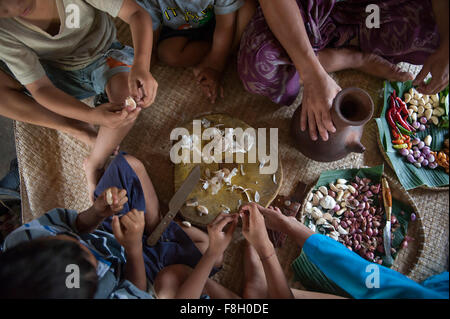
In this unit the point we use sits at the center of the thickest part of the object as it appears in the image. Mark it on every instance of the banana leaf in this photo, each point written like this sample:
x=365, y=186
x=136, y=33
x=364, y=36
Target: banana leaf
x=410, y=176
x=310, y=275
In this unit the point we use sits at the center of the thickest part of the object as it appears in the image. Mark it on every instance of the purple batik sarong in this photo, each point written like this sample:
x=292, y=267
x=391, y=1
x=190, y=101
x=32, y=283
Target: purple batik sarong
x=407, y=33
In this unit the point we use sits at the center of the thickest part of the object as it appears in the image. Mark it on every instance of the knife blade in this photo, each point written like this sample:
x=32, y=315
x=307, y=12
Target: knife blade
x=387, y=200
x=175, y=204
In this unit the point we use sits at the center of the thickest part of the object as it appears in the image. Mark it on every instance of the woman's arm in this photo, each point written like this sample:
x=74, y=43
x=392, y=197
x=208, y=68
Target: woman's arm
x=286, y=22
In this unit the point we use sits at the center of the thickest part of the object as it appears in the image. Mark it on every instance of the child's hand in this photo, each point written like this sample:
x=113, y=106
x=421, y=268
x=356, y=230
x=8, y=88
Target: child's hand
x=143, y=86
x=129, y=229
x=114, y=116
x=219, y=239
x=254, y=228
x=118, y=197
x=210, y=82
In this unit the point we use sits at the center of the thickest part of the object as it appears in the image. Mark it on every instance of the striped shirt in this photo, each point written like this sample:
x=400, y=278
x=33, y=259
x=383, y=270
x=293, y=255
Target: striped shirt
x=109, y=253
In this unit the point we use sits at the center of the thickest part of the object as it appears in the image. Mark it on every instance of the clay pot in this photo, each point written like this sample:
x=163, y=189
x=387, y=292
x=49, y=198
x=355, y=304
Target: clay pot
x=352, y=109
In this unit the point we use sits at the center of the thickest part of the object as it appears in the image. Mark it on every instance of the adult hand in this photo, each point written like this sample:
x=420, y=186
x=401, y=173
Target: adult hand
x=114, y=116
x=274, y=218
x=143, y=86
x=254, y=229
x=437, y=65
x=318, y=95
x=129, y=229
x=119, y=198
x=210, y=81
x=219, y=238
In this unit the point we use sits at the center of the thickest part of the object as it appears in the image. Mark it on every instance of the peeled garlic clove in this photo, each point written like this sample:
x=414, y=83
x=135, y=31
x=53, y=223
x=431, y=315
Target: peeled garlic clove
x=413, y=107
x=414, y=117
x=428, y=140
x=434, y=120
x=428, y=114
x=323, y=190
x=426, y=98
x=316, y=213
x=341, y=211
x=413, y=102
x=333, y=187
x=339, y=195
x=428, y=106
x=342, y=181
x=310, y=197
x=109, y=197
x=187, y=224
x=351, y=189
x=328, y=217
x=420, y=109
x=315, y=200
x=257, y=197
x=192, y=203
x=341, y=230
x=130, y=103
x=308, y=207
x=319, y=194
x=321, y=221
x=407, y=97
x=435, y=97
x=202, y=210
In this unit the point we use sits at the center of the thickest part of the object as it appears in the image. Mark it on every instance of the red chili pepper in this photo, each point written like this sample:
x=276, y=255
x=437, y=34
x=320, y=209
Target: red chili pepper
x=390, y=118
x=398, y=141
x=394, y=94
x=402, y=106
x=402, y=122
x=395, y=134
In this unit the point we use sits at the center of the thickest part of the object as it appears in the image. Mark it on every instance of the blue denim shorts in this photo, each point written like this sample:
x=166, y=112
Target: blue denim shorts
x=92, y=79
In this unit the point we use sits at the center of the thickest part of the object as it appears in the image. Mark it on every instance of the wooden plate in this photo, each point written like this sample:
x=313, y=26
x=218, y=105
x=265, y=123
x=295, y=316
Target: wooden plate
x=407, y=258
x=252, y=179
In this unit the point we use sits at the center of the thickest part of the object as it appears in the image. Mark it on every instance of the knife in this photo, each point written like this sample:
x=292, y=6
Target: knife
x=387, y=199
x=175, y=204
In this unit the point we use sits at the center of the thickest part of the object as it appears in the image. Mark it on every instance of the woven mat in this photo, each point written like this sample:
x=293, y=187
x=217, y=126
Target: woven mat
x=52, y=173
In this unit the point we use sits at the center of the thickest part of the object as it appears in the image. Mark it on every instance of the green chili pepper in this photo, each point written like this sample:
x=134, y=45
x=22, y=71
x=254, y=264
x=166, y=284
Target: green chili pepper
x=404, y=131
x=400, y=146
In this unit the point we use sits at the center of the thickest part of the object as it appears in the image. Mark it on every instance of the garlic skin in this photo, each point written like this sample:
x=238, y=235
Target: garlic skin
x=186, y=224
x=328, y=202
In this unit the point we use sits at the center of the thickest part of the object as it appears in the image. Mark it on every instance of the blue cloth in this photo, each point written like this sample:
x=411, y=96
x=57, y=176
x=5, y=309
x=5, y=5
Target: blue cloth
x=91, y=80
x=365, y=280
x=109, y=254
x=174, y=246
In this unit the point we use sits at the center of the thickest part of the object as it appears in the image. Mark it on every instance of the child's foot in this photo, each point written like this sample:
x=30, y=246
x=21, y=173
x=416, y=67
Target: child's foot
x=255, y=286
x=376, y=65
x=93, y=175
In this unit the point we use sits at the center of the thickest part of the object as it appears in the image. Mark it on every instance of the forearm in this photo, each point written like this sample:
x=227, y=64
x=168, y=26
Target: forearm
x=286, y=22
x=193, y=287
x=296, y=231
x=88, y=221
x=63, y=104
x=440, y=9
x=222, y=42
x=277, y=285
x=141, y=26
x=135, y=267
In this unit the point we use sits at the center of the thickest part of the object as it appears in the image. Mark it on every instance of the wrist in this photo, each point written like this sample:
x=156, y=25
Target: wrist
x=134, y=250
x=266, y=250
x=213, y=254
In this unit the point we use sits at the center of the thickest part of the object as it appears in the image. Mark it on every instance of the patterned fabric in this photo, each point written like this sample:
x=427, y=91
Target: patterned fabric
x=407, y=33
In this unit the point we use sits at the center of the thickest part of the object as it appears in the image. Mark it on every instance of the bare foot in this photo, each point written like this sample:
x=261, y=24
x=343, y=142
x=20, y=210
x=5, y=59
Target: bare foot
x=376, y=65
x=93, y=175
x=255, y=286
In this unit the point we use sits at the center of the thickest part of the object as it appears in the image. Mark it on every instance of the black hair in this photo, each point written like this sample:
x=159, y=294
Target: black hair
x=38, y=270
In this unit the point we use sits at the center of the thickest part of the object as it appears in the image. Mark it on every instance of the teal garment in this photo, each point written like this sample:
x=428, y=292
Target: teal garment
x=355, y=275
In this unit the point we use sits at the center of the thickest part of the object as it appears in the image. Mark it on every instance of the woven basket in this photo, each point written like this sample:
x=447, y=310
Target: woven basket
x=407, y=258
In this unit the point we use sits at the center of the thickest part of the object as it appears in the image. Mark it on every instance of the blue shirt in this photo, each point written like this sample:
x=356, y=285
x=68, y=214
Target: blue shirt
x=365, y=280
x=107, y=250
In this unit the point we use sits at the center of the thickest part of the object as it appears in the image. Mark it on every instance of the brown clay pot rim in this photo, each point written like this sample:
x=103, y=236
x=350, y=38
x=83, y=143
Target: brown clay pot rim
x=338, y=99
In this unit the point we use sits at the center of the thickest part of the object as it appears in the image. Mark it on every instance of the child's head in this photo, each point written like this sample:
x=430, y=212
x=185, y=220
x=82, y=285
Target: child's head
x=39, y=269
x=16, y=8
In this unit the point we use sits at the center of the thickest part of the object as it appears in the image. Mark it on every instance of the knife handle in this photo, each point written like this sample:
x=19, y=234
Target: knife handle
x=159, y=230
